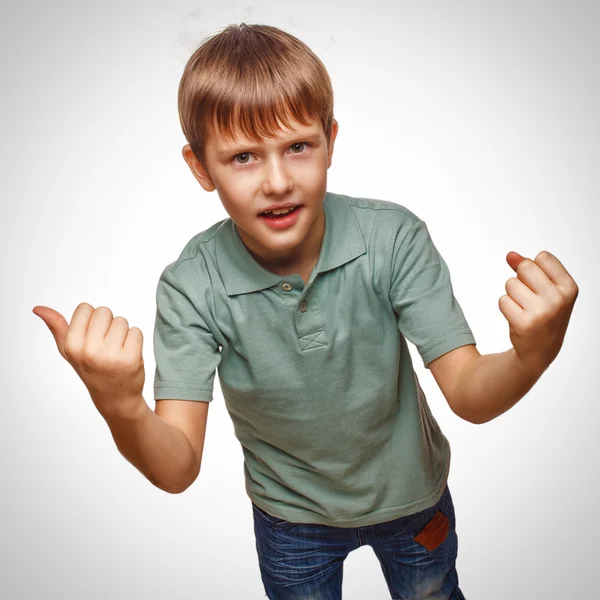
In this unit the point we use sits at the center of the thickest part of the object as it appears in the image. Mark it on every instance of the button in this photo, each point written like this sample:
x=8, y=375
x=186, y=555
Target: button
x=286, y=286
x=303, y=305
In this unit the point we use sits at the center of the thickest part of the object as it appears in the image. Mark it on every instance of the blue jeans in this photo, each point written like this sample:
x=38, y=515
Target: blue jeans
x=305, y=561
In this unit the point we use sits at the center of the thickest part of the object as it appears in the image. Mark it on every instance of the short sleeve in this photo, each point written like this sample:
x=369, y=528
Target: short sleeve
x=421, y=293
x=186, y=352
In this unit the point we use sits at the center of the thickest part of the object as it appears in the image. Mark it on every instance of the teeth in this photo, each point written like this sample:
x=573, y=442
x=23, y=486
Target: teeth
x=281, y=211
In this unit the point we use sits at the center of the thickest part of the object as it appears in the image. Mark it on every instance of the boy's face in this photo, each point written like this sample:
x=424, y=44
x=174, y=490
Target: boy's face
x=251, y=177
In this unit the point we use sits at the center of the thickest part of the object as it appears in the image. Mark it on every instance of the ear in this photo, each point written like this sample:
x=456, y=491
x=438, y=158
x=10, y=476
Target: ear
x=200, y=173
x=334, y=131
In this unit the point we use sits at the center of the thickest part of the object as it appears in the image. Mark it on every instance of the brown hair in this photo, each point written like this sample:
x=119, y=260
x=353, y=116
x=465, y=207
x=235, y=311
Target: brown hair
x=249, y=78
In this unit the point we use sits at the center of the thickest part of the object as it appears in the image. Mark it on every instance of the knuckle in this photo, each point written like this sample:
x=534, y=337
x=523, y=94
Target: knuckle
x=574, y=291
x=88, y=356
x=82, y=308
x=559, y=301
x=72, y=352
x=94, y=357
x=524, y=265
x=137, y=331
x=130, y=362
x=543, y=255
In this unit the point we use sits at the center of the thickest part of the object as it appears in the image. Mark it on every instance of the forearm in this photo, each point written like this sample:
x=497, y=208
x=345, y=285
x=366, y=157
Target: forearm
x=491, y=385
x=160, y=451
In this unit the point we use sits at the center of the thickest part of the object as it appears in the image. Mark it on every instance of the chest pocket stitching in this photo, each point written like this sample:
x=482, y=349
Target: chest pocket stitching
x=310, y=340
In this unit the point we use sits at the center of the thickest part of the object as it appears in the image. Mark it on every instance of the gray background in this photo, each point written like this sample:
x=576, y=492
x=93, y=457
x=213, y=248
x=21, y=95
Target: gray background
x=481, y=117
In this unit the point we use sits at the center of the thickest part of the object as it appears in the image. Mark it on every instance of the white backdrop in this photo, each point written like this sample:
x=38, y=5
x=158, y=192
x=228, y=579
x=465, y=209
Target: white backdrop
x=481, y=117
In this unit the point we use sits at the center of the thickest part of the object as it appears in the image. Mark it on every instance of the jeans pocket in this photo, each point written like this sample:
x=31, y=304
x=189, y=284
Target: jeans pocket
x=272, y=521
x=438, y=522
x=434, y=533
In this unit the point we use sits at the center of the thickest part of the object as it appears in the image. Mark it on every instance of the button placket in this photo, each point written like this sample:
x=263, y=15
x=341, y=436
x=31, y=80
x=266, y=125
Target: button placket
x=309, y=325
x=286, y=286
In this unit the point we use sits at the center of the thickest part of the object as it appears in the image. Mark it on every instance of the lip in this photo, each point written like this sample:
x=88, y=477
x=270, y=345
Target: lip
x=282, y=222
x=276, y=206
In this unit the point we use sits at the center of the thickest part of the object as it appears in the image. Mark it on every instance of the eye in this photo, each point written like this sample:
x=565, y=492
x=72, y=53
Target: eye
x=246, y=155
x=299, y=144
x=244, y=162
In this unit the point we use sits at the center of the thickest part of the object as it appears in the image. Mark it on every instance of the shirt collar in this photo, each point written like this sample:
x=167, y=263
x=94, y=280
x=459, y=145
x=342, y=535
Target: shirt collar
x=241, y=273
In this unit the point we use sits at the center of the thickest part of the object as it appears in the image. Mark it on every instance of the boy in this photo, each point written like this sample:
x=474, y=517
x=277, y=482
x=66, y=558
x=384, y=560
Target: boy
x=306, y=316
x=297, y=312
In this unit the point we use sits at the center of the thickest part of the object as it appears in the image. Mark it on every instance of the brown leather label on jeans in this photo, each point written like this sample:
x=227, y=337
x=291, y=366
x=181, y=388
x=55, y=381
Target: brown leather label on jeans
x=435, y=532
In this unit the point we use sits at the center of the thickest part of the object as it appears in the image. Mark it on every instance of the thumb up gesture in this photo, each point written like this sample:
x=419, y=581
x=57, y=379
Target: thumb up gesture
x=106, y=354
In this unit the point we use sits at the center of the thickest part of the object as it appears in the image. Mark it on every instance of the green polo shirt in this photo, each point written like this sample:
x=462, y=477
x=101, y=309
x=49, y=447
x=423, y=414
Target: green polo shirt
x=318, y=379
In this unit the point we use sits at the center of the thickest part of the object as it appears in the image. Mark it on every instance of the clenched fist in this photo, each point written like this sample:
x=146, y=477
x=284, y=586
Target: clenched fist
x=106, y=354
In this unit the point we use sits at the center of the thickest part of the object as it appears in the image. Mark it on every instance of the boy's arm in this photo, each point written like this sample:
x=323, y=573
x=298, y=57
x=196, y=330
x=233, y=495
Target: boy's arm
x=159, y=449
x=480, y=388
x=538, y=307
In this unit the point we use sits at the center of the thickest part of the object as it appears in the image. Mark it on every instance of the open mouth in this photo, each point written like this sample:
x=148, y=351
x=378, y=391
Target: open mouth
x=270, y=215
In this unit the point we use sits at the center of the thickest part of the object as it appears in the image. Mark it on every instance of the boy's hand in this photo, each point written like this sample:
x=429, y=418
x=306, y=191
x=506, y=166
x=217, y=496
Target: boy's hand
x=538, y=308
x=105, y=353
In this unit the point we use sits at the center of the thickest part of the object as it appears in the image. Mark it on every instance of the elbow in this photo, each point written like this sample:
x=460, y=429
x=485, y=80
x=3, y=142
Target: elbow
x=473, y=419
x=468, y=419
x=184, y=486
x=471, y=416
x=168, y=489
x=465, y=415
x=175, y=490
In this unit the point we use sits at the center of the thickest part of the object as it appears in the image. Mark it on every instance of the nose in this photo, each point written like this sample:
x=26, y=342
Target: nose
x=276, y=180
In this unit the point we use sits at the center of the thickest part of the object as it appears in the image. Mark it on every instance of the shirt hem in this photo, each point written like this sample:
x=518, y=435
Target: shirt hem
x=380, y=516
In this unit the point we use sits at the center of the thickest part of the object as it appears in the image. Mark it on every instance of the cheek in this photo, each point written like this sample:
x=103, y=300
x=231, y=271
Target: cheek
x=307, y=180
x=236, y=200
x=234, y=187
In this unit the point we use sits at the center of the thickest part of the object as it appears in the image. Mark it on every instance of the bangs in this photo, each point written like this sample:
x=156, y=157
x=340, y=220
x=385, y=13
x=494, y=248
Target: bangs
x=252, y=81
x=259, y=113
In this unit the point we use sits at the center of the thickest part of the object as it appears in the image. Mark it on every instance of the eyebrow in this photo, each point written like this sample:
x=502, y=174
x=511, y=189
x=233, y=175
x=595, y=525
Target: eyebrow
x=235, y=150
